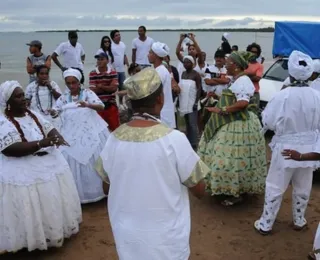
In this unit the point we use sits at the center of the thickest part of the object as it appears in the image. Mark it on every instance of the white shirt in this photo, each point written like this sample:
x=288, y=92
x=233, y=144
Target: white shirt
x=71, y=55
x=149, y=213
x=118, y=51
x=167, y=112
x=216, y=72
x=316, y=84
x=142, y=50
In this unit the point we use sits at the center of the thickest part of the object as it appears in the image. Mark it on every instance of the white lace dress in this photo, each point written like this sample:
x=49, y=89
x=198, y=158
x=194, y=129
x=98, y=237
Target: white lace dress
x=39, y=203
x=41, y=99
x=87, y=133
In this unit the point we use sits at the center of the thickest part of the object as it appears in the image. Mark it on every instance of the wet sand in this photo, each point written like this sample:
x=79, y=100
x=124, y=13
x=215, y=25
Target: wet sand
x=217, y=233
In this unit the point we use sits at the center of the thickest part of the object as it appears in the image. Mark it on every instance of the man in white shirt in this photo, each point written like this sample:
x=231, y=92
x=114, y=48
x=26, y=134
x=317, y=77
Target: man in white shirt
x=72, y=52
x=118, y=49
x=156, y=54
x=141, y=47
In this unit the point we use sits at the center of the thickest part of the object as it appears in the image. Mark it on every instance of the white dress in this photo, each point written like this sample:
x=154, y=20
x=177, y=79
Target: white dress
x=39, y=203
x=167, y=112
x=316, y=84
x=149, y=170
x=86, y=132
x=294, y=115
x=44, y=101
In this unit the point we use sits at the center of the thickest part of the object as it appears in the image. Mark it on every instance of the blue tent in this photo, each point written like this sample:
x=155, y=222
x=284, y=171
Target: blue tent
x=301, y=36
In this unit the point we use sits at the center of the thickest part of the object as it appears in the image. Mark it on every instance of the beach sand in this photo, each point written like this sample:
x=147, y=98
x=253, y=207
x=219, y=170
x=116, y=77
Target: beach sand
x=217, y=233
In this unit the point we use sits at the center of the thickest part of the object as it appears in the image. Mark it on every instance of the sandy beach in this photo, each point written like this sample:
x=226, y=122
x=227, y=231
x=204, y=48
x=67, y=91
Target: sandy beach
x=218, y=233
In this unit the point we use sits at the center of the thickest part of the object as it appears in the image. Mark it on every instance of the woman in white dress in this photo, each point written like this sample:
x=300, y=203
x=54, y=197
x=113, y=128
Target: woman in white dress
x=85, y=131
x=39, y=203
x=42, y=95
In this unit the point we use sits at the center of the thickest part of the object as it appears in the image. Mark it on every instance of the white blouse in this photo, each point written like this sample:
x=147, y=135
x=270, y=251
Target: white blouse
x=243, y=88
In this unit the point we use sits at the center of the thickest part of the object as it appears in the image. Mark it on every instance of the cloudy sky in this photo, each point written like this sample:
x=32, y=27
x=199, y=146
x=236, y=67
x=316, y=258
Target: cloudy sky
x=30, y=15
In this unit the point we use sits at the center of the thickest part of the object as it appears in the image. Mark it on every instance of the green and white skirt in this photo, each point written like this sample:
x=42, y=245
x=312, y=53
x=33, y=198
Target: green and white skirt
x=236, y=156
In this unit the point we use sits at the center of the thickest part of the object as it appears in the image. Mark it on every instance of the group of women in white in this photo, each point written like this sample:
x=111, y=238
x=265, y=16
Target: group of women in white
x=47, y=161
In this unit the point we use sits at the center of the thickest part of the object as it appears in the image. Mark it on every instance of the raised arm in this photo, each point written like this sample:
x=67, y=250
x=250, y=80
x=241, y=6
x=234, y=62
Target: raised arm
x=178, y=48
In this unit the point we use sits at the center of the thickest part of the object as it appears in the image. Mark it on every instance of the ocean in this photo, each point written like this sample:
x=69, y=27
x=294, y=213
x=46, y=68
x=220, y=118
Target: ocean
x=13, y=51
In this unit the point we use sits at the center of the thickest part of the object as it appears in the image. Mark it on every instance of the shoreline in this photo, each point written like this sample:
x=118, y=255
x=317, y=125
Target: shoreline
x=262, y=30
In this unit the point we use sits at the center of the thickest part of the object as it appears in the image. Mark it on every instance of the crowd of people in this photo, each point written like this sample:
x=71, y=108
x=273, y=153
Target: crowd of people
x=60, y=149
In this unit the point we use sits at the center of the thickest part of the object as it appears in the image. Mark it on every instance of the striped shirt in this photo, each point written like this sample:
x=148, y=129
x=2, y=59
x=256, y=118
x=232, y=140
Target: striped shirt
x=107, y=78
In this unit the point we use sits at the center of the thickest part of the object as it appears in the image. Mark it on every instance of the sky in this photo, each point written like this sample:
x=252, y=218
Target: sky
x=31, y=15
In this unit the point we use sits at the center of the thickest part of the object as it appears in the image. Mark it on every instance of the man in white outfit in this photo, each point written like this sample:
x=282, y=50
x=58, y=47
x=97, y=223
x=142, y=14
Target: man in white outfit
x=157, y=53
x=294, y=115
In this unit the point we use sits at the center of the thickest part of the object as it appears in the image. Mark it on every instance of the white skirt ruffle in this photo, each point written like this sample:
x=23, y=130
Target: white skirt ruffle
x=40, y=215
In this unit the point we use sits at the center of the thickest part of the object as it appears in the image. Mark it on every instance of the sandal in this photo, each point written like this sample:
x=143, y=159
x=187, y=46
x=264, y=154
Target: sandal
x=232, y=201
x=259, y=230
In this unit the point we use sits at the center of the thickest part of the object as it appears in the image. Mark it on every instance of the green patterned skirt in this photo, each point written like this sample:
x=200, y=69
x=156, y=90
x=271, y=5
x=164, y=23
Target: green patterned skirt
x=237, y=158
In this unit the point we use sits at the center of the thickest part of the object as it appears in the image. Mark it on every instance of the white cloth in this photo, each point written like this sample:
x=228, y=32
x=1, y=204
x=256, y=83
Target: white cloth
x=160, y=49
x=287, y=82
x=142, y=50
x=119, y=52
x=86, y=132
x=243, y=88
x=316, y=84
x=72, y=73
x=187, y=96
x=294, y=115
x=71, y=55
x=190, y=58
x=316, y=244
x=150, y=211
x=226, y=36
x=300, y=72
x=215, y=72
x=44, y=98
x=167, y=112
x=6, y=90
x=316, y=66
x=39, y=203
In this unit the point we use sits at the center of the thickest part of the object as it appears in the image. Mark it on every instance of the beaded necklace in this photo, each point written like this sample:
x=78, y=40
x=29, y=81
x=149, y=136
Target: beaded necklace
x=38, y=101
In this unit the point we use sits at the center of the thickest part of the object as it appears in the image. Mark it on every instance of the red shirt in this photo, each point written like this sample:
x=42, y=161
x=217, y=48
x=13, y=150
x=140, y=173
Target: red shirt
x=107, y=78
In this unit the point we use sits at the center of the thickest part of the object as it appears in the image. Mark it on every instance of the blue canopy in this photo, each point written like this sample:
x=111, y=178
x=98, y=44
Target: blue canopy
x=300, y=36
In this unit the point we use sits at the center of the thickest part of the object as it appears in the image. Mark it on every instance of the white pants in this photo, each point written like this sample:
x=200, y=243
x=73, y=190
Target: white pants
x=277, y=183
x=316, y=244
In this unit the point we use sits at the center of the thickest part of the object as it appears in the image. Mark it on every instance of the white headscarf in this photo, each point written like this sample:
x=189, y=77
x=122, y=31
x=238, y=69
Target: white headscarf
x=316, y=66
x=188, y=57
x=6, y=90
x=300, y=72
x=160, y=49
x=226, y=36
x=72, y=73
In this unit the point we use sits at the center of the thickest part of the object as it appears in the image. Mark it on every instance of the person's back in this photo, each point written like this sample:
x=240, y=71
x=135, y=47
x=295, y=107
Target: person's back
x=150, y=167
x=293, y=110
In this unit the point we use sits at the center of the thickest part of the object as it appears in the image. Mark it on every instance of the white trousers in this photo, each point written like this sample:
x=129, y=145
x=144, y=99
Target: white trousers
x=277, y=182
x=316, y=244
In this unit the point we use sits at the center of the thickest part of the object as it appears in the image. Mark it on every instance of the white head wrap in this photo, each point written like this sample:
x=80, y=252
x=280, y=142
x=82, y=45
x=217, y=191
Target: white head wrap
x=316, y=66
x=6, y=90
x=188, y=57
x=300, y=72
x=160, y=49
x=226, y=36
x=72, y=73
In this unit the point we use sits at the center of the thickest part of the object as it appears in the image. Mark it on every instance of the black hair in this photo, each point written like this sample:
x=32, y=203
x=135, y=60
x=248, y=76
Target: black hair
x=219, y=54
x=40, y=67
x=132, y=67
x=255, y=45
x=236, y=47
x=143, y=27
x=113, y=33
x=82, y=75
x=72, y=33
x=146, y=103
x=103, y=47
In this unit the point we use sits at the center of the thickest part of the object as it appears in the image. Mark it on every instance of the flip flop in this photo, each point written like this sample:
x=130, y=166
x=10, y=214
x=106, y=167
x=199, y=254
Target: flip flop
x=231, y=202
x=259, y=230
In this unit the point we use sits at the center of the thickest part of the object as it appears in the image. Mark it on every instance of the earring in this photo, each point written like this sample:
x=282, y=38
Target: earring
x=8, y=107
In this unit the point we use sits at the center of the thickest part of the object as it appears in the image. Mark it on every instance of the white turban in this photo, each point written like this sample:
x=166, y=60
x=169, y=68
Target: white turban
x=6, y=90
x=316, y=66
x=160, y=49
x=72, y=73
x=300, y=72
x=188, y=57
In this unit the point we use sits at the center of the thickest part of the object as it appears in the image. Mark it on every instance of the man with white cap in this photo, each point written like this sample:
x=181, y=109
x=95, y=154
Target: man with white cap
x=157, y=53
x=294, y=115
